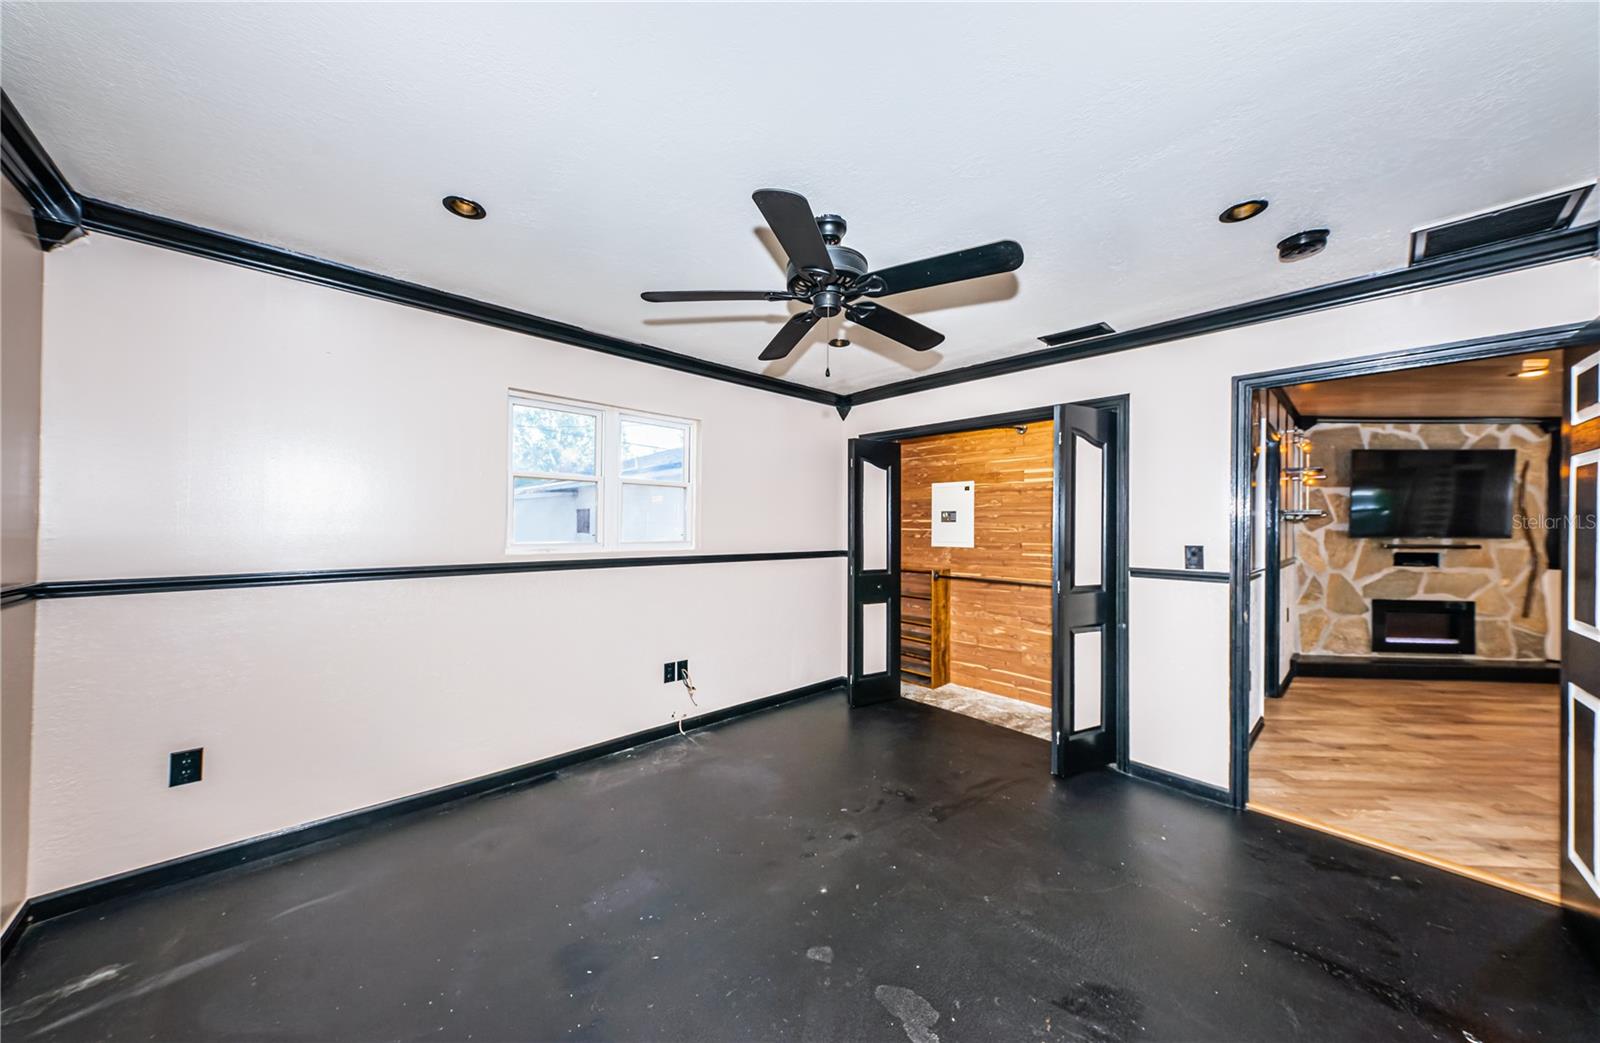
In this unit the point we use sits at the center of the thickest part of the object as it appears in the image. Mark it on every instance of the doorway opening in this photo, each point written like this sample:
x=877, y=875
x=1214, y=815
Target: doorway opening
x=1398, y=564
x=988, y=573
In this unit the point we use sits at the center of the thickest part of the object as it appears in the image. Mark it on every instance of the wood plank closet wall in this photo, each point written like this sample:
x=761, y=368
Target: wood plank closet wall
x=999, y=636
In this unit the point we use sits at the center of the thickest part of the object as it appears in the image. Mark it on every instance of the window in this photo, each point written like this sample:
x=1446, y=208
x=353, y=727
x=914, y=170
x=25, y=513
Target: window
x=589, y=476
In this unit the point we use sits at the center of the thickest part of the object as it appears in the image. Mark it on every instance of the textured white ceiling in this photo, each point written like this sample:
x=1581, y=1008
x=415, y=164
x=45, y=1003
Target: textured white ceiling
x=616, y=146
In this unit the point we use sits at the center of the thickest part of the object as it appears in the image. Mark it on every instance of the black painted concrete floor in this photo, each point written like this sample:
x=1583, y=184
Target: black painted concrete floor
x=815, y=873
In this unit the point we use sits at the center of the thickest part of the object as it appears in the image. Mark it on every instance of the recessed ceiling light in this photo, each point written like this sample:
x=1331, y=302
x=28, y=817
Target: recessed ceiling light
x=1242, y=211
x=838, y=342
x=1532, y=368
x=465, y=208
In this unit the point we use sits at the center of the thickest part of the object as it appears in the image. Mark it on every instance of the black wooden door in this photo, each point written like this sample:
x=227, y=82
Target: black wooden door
x=874, y=571
x=1580, y=646
x=1085, y=661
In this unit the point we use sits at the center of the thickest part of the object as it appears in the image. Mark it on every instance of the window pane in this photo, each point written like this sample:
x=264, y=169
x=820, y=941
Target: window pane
x=552, y=511
x=654, y=514
x=552, y=441
x=653, y=451
x=875, y=517
x=1088, y=512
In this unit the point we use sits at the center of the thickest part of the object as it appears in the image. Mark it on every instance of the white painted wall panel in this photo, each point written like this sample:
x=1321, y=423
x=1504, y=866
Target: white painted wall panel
x=1289, y=621
x=1178, y=678
x=315, y=700
x=1258, y=648
x=205, y=418
x=21, y=307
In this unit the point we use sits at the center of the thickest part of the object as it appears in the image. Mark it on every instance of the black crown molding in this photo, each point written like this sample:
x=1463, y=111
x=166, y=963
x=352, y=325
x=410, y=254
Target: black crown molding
x=61, y=215
x=97, y=588
x=57, y=213
x=1549, y=248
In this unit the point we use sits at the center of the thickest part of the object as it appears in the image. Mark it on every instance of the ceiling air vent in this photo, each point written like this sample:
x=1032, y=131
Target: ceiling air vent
x=1547, y=214
x=1055, y=340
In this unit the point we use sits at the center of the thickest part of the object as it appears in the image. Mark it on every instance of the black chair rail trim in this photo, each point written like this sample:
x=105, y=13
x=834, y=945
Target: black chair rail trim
x=95, y=588
x=1189, y=575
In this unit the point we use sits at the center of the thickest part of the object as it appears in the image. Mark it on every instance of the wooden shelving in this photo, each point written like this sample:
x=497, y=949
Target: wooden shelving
x=925, y=628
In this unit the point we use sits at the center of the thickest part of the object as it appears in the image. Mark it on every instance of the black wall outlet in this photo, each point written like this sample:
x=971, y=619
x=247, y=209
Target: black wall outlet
x=683, y=669
x=1194, y=557
x=669, y=673
x=184, y=767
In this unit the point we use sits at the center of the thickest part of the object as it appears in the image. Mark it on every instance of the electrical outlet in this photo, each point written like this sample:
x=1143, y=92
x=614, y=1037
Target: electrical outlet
x=184, y=767
x=683, y=669
x=1194, y=557
x=669, y=673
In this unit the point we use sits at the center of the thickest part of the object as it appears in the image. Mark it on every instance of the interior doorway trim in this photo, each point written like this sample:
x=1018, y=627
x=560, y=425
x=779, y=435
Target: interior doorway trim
x=1550, y=338
x=1119, y=405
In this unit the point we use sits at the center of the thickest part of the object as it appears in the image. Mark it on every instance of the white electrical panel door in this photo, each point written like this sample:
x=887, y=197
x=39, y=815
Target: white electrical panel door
x=952, y=514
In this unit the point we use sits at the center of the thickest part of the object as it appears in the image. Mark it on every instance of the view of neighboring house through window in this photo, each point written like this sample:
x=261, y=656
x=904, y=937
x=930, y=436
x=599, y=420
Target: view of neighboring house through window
x=587, y=475
x=655, y=481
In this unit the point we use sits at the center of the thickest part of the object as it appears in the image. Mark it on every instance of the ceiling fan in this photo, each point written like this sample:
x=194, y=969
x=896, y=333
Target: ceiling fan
x=832, y=278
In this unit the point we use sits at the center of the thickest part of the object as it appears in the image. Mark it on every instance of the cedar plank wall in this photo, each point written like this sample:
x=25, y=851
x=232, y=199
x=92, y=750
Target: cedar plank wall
x=999, y=635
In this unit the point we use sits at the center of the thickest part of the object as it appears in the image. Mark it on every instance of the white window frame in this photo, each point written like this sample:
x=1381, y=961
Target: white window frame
x=687, y=484
x=608, y=477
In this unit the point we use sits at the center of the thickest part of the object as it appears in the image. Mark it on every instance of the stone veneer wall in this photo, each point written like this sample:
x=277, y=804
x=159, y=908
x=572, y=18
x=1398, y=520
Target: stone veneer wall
x=1339, y=577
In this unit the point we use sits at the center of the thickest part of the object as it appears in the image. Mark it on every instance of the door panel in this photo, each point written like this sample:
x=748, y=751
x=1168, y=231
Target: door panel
x=1083, y=734
x=1580, y=646
x=1088, y=678
x=874, y=571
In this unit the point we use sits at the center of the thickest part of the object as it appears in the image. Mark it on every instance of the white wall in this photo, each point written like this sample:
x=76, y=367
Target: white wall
x=21, y=298
x=202, y=418
x=1179, y=458
x=1289, y=621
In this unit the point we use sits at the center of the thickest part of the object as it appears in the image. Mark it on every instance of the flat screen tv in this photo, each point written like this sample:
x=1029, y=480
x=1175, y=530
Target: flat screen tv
x=1431, y=492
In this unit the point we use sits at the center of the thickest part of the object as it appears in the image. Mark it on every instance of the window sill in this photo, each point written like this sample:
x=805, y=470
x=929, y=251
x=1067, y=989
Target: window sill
x=572, y=550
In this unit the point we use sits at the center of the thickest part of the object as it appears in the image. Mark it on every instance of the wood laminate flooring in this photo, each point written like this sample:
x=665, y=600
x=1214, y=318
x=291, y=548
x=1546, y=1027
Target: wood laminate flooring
x=1464, y=774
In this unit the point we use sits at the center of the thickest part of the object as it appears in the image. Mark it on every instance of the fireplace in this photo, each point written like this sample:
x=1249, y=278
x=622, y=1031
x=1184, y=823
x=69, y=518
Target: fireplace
x=1424, y=627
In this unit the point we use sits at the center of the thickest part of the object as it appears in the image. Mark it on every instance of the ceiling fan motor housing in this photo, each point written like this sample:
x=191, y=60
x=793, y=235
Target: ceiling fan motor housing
x=849, y=267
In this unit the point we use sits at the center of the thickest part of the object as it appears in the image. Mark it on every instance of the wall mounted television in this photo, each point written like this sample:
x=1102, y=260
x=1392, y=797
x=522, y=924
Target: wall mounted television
x=1431, y=492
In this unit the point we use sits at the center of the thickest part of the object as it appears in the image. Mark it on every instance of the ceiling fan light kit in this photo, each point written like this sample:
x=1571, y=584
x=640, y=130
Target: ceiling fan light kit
x=834, y=279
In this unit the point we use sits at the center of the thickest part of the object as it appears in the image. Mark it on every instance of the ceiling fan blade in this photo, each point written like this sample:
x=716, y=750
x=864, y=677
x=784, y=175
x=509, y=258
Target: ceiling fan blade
x=972, y=263
x=789, y=216
x=717, y=295
x=789, y=336
x=895, y=326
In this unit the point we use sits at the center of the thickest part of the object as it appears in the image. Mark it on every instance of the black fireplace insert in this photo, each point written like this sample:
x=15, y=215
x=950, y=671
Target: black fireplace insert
x=1424, y=627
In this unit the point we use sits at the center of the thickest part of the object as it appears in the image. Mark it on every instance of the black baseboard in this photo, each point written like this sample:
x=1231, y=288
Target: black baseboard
x=187, y=867
x=13, y=930
x=1394, y=669
x=1288, y=679
x=1183, y=784
x=1255, y=733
